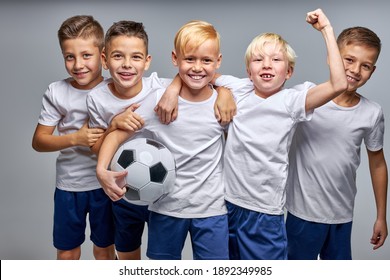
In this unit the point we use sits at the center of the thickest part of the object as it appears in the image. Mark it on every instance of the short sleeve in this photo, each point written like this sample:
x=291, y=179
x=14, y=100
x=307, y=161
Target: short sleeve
x=295, y=102
x=95, y=119
x=374, y=139
x=239, y=87
x=50, y=112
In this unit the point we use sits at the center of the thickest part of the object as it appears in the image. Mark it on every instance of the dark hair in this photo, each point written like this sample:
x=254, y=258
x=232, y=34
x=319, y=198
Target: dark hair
x=81, y=26
x=127, y=28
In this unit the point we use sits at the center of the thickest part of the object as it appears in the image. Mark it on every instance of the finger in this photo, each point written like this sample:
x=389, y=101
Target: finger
x=134, y=107
x=174, y=114
x=217, y=114
x=167, y=118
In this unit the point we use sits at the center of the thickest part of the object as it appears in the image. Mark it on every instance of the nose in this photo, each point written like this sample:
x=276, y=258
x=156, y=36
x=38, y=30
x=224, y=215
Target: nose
x=126, y=63
x=197, y=67
x=79, y=63
x=354, y=68
x=266, y=62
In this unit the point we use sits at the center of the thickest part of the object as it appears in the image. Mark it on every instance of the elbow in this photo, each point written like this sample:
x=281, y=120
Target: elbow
x=35, y=146
x=341, y=86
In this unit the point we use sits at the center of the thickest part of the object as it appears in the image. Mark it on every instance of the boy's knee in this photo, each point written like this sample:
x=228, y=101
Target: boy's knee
x=73, y=254
x=106, y=253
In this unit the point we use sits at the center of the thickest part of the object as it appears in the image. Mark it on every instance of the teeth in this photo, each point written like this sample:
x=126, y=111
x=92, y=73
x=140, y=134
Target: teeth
x=266, y=76
x=351, y=78
x=196, y=77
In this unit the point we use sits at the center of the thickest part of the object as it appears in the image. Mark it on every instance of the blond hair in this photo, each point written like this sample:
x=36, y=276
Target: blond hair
x=257, y=47
x=193, y=34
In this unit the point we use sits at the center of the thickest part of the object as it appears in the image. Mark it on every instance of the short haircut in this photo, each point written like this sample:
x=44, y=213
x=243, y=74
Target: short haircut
x=257, y=46
x=127, y=28
x=359, y=36
x=81, y=26
x=193, y=34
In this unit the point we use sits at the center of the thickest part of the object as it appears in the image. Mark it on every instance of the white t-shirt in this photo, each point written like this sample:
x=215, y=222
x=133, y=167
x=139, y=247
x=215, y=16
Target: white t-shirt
x=258, y=143
x=103, y=105
x=195, y=139
x=65, y=107
x=324, y=159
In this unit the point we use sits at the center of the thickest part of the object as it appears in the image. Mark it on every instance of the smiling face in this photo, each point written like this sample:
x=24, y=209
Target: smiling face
x=126, y=59
x=197, y=67
x=82, y=62
x=268, y=69
x=359, y=63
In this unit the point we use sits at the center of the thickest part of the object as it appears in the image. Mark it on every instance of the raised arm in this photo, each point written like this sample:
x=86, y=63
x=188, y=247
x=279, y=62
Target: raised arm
x=379, y=179
x=322, y=93
x=112, y=182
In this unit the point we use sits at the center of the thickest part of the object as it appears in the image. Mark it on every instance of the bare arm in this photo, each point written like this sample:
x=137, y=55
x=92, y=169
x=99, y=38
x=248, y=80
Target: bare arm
x=322, y=93
x=127, y=120
x=379, y=178
x=167, y=107
x=45, y=141
x=112, y=182
x=225, y=106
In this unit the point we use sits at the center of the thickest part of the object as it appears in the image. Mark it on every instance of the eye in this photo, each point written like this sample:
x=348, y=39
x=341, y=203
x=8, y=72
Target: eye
x=189, y=59
x=137, y=57
x=117, y=56
x=367, y=67
x=68, y=57
x=87, y=55
x=349, y=60
x=207, y=60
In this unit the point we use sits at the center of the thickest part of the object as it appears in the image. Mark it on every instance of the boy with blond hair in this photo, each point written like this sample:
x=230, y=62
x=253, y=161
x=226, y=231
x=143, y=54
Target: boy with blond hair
x=78, y=192
x=259, y=138
x=322, y=177
x=196, y=205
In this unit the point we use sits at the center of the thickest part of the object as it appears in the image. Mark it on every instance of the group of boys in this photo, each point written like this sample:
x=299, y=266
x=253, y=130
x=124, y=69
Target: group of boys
x=230, y=192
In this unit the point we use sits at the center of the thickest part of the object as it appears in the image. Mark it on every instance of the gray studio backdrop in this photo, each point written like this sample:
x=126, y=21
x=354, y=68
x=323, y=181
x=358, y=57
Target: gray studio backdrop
x=30, y=59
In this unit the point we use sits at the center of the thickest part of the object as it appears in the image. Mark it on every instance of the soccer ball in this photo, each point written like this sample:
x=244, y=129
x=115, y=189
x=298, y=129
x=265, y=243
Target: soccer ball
x=151, y=169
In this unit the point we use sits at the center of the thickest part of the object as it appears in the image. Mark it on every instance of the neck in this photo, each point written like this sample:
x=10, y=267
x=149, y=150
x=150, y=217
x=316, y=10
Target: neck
x=125, y=93
x=196, y=95
x=347, y=99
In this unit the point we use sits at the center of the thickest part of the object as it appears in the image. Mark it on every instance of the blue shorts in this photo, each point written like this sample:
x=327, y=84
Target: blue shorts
x=308, y=240
x=167, y=235
x=70, y=214
x=130, y=222
x=255, y=236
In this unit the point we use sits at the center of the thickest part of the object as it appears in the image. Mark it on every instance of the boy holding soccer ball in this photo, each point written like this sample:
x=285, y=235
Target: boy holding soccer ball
x=196, y=205
x=110, y=107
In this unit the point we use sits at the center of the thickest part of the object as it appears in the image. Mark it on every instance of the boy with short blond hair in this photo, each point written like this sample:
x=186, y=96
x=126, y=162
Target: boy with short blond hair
x=78, y=192
x=259, y=139
x=196, y=205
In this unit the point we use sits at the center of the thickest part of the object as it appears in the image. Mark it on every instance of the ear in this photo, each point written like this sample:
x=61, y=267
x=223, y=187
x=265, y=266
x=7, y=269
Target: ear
x=148, y=61
x=290, y=71
x=249, y=73
x=174, y=58
x=219, y=61
x=373, y=70
x=103, y=59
